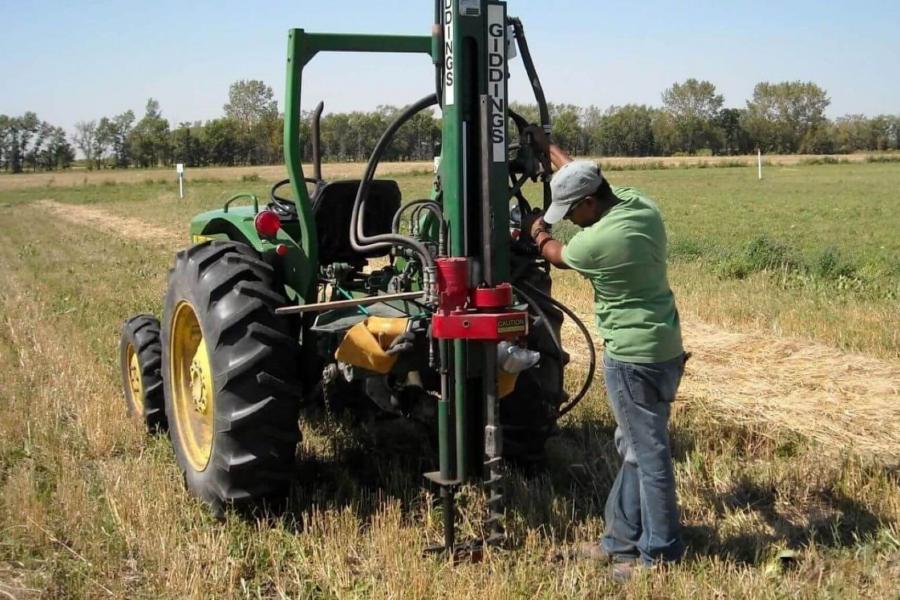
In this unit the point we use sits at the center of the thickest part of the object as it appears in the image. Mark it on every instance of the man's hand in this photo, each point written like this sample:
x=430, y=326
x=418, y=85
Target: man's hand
x=538, y=138
x=533, y=223
x=550, y=155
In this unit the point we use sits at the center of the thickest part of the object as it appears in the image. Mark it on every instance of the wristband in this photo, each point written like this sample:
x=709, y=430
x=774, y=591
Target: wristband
x=544, y=242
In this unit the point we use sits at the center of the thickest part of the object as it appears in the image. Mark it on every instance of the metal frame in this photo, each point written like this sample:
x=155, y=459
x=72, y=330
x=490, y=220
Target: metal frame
x=302, y=47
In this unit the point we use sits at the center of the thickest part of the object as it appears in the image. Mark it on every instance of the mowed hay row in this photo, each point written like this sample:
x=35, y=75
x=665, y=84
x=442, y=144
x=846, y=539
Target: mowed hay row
x=121, y=227
x=847, y=402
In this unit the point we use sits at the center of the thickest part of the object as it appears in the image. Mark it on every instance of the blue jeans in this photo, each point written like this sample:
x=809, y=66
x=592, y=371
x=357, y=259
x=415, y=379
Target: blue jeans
x=642, y=509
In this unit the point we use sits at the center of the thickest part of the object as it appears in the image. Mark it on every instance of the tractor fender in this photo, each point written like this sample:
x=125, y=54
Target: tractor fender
x=237, y=225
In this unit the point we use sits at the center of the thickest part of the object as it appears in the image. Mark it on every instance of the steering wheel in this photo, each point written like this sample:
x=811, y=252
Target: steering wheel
x=286, y=206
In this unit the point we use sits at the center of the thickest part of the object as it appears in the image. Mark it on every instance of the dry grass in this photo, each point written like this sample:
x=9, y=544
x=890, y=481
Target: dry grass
x=105, y=222
x=271, y=173
x=89, y=507
x=848, y=402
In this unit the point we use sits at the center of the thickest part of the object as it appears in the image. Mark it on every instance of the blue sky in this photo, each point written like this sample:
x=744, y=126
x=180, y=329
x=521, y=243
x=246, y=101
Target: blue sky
x=71, y=61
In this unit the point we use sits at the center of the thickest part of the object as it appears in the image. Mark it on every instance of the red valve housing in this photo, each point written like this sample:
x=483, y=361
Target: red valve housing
x=480, y=326
x=479, y=314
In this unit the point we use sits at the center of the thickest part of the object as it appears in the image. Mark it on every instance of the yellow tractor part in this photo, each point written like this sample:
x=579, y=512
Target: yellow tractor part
x=365, y=343
x=506, y=383
x=135, y=384
x=192, y=386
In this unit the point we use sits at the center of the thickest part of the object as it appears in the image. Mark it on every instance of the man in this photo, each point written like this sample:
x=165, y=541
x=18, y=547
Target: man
x=621, y=250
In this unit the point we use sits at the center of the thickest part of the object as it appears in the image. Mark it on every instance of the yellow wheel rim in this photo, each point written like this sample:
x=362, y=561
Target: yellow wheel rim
x=192, y=386
x=135, y=384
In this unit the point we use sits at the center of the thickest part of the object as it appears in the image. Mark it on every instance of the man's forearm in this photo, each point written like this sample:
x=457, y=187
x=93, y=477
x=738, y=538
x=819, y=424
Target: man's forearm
x=551, y=250
x=558, y=156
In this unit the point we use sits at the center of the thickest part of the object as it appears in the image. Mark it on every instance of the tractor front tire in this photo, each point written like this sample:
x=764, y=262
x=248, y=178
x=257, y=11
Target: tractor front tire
x=139, y=364
x=229, y=367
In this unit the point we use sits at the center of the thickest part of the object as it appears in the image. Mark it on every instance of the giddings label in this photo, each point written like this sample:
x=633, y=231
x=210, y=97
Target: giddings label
x=496, y=70
x=449, y=19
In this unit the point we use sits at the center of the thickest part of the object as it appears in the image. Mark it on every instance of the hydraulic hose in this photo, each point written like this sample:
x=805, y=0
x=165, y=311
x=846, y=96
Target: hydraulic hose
x=545, y=322
x=592, y=353
x=527, y=61
x=424, y=204
x=398, y=216
x=437, y=211
x=358, y=239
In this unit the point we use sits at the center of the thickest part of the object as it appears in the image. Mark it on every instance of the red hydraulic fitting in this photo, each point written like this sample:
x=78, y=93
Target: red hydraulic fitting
x=492, y=298
x=452, y=282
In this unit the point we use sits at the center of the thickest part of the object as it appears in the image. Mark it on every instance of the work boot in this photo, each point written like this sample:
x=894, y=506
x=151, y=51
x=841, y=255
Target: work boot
x=623, y=569
x=592, y=551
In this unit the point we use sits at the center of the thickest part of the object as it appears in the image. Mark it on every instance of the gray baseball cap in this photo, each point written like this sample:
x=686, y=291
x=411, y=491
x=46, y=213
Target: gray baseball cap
x=569, y=185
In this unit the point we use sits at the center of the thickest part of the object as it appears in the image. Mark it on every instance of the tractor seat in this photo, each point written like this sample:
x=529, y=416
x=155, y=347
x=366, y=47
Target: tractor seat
x=332, y=208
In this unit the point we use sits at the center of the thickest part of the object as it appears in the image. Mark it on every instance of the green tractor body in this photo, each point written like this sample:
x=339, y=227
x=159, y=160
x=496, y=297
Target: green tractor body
x=426, y=310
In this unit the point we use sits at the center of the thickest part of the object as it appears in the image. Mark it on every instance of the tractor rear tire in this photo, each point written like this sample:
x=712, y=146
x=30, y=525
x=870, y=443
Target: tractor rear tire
x=139, y=364
x=229, y=373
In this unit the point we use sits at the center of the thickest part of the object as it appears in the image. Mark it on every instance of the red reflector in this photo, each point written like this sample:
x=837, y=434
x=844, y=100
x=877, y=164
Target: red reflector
x=281, y=250
x=267, y=223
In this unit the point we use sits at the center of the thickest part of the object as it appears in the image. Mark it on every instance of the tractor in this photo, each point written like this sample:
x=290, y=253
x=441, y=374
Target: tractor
x=433, y=311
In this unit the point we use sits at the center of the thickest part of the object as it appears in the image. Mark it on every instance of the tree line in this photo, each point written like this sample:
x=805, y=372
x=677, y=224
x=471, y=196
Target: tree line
x=26, y=142
x=786, y=117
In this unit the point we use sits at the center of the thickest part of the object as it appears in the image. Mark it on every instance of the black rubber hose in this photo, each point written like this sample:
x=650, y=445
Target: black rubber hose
x=522, y=43
x=590, y=344
x=527, y=61
x=542, y=316
x=398, y=216
x=438, y=30
x=424, y=204
x=317, y=141
x=437, y=211
x=358, y=239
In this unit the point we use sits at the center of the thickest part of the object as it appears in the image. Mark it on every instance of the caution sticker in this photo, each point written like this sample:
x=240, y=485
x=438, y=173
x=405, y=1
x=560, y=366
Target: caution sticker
x=511, y=325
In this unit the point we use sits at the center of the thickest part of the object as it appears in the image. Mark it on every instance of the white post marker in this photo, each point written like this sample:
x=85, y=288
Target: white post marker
x=179, y=170
x=759, y=163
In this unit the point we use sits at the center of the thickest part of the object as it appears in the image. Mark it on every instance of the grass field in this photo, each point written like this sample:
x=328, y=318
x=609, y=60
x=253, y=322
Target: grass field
x=787, y=433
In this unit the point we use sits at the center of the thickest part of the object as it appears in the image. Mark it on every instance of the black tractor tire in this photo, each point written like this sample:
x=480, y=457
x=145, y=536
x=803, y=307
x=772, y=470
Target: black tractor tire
x=253, y=363
x=529, y=414
x=139, y=364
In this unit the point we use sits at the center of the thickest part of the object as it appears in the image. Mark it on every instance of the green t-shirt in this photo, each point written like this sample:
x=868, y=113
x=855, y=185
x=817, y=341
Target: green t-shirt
x=624, y=257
